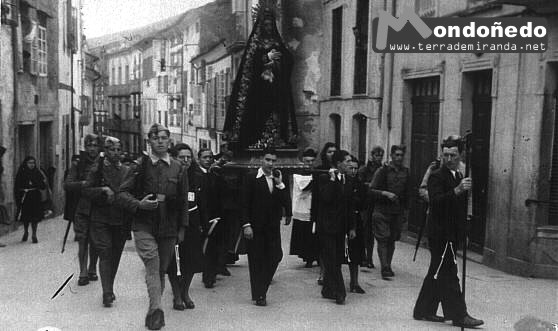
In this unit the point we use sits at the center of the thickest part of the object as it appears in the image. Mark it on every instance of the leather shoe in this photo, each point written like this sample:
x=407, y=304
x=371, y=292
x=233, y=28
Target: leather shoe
x=224, y=272
x=107, y=300
x=112, y=297
x=209, y=284
x=391, y=273
x=155, y=320
x=370, y=265
x=386, y=274
x=178, y=305
x=340, y=301
x=25, y=235
x=308, y=264
x=320, y=281
x=430, y=318
x=190, y=305
x=93, y=277
x=356, y=289
x=34, y=240
x=468, y=322
x=82, y=281
x=261, y=302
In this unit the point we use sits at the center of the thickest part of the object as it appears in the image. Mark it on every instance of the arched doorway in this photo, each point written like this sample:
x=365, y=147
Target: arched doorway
x=358, y=145
x=335, y=129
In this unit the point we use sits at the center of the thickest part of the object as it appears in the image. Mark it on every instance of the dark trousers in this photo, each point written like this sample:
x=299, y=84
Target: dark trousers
x=213, y=252
x=232, y=229
x=264, y=255
x=109, y=242
x=445, y=288
x=332, y=252
x=368, y=237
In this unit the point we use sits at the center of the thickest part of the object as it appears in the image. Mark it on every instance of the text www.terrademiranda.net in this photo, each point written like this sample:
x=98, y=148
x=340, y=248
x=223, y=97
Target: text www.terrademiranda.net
x=467, y=47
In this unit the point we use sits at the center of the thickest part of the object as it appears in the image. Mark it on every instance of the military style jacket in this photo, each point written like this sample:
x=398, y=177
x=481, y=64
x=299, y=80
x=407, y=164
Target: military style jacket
x=167, y=181
x=397, y=181
x=74, y=183
x=102, y=174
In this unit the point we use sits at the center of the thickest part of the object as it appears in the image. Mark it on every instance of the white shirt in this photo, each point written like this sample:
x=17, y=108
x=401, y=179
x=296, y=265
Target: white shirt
x=269, y=180
x=203, y=169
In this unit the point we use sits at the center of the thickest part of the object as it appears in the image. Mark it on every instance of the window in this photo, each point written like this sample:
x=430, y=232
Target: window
x=221, y=83
x=160, y=84
x=126, y=73
x=335, y=128
x=135, y=73
x=336, y=51
x=197, y=27
x=204, y=143
x=209, y=73
x=119, y=75
x=112, y=76
x=42, y=51
x=165, y=84
x=361, y=47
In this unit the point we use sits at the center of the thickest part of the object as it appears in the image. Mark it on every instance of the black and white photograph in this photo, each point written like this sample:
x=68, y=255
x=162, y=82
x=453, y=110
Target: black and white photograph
x=278, y=165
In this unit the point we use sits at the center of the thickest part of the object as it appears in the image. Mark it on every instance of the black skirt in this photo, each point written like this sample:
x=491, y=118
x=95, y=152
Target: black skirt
x=304, y=243
x=190, y=250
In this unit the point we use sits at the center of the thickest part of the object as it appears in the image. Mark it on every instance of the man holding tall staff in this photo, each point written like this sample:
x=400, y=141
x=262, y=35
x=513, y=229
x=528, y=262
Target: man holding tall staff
x=447, y=190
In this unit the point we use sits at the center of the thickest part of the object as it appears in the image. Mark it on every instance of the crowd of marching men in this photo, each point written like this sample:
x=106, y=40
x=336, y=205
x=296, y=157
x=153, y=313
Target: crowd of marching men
x=185, y=218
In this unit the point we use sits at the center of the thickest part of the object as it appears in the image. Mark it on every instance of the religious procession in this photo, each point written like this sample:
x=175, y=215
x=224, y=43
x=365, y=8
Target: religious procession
x=278, y=166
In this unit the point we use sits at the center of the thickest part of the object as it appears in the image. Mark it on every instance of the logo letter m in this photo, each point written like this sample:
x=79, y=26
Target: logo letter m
x=385, y=21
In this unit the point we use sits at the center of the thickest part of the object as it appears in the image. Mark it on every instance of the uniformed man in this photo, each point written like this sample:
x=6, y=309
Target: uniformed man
x=366, y=174
x=157, y=197
x=107, y=216
x=391, y=189
x=73, y=185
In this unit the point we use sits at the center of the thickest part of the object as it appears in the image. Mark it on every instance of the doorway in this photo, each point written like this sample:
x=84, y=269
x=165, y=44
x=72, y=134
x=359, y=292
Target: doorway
x=425, y=102
x=481, y=123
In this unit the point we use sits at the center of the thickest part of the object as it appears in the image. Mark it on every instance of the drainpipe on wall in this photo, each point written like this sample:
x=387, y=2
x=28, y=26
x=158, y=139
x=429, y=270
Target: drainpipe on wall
x=72, y=116
x=390, y=85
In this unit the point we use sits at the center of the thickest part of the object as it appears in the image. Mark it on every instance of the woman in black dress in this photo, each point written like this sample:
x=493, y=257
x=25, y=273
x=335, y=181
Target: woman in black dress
x=29, y=181
x=190, y=250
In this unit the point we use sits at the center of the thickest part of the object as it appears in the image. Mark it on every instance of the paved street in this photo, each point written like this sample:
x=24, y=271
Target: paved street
x=30, y=274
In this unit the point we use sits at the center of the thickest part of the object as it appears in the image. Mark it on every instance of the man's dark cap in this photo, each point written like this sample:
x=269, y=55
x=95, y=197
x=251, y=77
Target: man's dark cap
x=156, y=128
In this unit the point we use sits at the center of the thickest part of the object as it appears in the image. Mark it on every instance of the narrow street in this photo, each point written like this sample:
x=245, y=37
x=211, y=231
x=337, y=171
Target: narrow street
x=30, y=275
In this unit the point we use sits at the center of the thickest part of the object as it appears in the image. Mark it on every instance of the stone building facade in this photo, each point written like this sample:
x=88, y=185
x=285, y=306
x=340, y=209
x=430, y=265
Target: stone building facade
x=508, y=102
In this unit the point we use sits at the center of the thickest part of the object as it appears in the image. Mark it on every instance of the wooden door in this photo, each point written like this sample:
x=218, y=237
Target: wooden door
x=424, y=141
x=482, y=113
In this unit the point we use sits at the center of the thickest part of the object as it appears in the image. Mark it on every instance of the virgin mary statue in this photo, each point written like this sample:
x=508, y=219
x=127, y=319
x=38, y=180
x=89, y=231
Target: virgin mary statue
x=261, y=110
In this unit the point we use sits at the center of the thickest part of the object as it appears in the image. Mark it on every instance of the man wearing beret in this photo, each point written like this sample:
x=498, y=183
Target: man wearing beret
x=156, y=195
